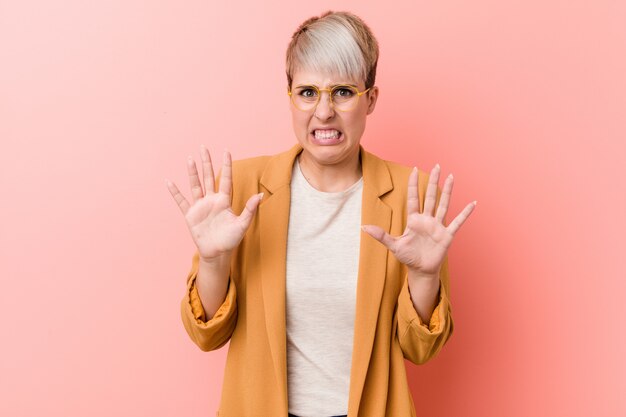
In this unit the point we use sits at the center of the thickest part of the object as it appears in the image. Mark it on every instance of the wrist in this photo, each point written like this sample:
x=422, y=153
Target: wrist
x=416, y=274
x=215, y=261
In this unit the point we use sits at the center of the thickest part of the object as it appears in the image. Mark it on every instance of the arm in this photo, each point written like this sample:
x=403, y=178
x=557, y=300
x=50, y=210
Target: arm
x=216, y=231
x=212, y=283
x=424, y=291
x=419, y=341
x=213, y=333
x=423, y=248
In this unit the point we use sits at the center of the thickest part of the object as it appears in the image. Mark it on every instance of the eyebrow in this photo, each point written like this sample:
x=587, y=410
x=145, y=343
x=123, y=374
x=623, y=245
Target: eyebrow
x=334, y=85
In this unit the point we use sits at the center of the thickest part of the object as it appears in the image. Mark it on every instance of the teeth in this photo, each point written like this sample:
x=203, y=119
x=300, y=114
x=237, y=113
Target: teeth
x=327, y=134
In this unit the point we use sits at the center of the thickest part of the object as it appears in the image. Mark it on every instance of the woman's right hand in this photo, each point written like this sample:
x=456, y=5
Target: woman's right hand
x=215, y=228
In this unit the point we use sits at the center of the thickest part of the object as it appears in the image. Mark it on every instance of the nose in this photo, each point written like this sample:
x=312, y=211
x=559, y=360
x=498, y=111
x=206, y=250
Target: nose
x=324, y=109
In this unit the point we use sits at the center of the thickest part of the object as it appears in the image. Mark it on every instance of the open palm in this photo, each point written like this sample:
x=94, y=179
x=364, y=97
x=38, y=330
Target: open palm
x=215, y=228
x=425, y=241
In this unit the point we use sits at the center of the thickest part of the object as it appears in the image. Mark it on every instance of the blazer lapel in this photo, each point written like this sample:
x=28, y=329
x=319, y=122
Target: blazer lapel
x=273, y=222
x=372, y=272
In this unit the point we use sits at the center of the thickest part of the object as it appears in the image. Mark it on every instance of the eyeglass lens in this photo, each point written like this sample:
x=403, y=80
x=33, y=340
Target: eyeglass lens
x=343, y=97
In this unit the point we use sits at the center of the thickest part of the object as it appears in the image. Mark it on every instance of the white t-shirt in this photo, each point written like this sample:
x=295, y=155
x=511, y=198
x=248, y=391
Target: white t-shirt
x=321, y=280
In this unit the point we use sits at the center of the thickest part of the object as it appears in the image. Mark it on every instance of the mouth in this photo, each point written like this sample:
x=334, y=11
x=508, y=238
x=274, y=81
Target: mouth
x=326, y=136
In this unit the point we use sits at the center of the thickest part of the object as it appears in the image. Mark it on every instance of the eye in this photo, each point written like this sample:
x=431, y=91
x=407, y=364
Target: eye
x=344, y=92
x=307, y=92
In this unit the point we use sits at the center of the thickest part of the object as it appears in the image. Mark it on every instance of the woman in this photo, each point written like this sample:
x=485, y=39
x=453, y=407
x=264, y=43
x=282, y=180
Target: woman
x=319, y=315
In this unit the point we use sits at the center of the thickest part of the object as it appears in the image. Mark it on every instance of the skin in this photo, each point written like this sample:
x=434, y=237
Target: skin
x=331, y=168
x=425, y=241
x=217, y=230
x=214, y=227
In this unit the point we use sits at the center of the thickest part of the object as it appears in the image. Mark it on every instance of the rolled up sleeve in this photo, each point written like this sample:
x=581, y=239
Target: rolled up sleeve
x=419, y=341
x=214, y=333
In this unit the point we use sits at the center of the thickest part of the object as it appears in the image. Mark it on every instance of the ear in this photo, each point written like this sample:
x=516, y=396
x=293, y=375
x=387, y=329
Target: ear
x=372, y=96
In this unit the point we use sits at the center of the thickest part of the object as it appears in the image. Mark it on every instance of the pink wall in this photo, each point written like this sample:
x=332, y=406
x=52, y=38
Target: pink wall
x=523, y=101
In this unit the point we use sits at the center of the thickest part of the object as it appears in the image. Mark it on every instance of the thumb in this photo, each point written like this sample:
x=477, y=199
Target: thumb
x=245, y=218
x=380, y=235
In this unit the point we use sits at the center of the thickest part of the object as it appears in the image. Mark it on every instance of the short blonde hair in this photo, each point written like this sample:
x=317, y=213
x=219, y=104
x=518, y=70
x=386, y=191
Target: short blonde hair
x=337, y=43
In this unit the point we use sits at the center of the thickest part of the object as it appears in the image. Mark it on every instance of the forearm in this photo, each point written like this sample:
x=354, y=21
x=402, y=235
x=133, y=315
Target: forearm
x=424, y=291
x=212, y=283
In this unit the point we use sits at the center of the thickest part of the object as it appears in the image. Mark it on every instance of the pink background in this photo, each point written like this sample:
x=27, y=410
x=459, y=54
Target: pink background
x=100, y=102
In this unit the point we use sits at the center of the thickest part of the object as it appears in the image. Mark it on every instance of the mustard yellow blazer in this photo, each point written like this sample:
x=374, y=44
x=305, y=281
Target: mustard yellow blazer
x=387, y=328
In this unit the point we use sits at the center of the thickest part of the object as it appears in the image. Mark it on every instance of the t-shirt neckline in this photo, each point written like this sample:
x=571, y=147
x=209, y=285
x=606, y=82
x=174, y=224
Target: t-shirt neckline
x=330, y=195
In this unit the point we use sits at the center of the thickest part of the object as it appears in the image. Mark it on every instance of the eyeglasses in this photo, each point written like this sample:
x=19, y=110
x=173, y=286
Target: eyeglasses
x=342, y=97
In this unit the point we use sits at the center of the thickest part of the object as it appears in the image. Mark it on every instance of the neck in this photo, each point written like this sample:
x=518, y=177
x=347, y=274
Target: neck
x=333, y=177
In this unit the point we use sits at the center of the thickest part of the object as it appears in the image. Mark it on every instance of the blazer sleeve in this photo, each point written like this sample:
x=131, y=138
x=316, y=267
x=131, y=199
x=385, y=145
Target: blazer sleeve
x=214, y=333
x=421, y=342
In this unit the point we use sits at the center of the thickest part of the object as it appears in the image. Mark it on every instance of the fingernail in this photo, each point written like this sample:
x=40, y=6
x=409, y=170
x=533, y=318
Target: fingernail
x=475, y=202
x=261, y=196
x=437, y=166
x=450, y=176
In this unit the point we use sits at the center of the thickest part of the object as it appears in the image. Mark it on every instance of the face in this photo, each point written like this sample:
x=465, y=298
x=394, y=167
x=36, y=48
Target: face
x=315, y=129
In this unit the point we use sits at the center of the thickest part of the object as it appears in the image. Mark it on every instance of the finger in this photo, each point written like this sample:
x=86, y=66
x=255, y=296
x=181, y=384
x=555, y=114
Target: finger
x=431, y=191
x=380, y=235
x=207, y=170
x=460, y=219
x=226, y=180
x=413, y=200
x=245, y=218
x=181, y=201
x=194, y=180
x=444, y=201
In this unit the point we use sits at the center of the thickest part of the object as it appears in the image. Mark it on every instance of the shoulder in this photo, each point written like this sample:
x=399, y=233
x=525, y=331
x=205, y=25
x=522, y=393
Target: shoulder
x=251, y=167
x=257, y=165
x=246, y=176
x=398, y=171
x=399, y=175
x=273, y=171
x=261, y=173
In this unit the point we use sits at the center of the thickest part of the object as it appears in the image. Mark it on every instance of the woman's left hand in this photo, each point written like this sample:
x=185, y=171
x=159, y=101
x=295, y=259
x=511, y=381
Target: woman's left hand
x=425, y=241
